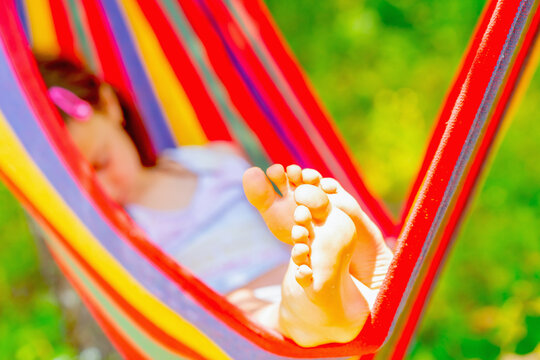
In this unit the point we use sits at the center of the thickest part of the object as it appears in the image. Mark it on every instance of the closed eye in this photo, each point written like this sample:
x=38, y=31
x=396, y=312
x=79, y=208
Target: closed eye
x=101, y=164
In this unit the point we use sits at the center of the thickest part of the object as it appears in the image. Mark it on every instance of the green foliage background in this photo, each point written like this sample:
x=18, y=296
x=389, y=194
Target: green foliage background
x=382, y=68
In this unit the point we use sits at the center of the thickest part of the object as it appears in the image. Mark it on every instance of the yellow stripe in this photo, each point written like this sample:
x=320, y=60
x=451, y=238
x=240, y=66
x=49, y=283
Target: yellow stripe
x=62, y=256
x=42, y=30
x=17, y=165
x=181, y=116
x=123, y=324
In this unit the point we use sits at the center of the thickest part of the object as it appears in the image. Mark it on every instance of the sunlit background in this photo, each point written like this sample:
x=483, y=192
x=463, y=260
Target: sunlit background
x=382, y=68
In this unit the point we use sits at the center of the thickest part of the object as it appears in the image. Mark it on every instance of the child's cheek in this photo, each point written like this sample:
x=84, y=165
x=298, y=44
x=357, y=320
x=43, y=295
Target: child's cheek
x=126, y=176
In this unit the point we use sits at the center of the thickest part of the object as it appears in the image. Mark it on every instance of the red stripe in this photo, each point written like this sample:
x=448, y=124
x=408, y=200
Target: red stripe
x=470, y=184
x=240, y=95
x=429, y=199
x=235, y=38
x=109, y=56
x=117, y=337
x=49, y=120
x=417, y=229
x=27, y=73
x=298, y=82
x=448, y=105
x=64, y=33
x=144, y=323
x=186, y=73
x=367, y=357
x=115, y=74
x=287, y=118
x=121, y=344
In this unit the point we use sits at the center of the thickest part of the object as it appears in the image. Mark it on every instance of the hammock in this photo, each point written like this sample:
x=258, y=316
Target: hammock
x=201, y=70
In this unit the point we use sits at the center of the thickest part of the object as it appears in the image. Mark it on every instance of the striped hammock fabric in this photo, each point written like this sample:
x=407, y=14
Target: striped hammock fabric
x=203, y=70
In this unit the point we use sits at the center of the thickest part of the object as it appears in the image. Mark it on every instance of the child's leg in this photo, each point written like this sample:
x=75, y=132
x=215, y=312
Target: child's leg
x=372, y=256
x=320, y=302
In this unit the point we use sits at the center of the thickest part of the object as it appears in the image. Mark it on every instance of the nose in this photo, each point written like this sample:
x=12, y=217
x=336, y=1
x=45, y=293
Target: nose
x=107, y=184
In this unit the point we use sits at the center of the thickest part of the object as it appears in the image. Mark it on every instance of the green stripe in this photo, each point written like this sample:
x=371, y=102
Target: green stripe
x=295, y=105
x=81, y=36
x=263, y=59
x=148, y=345
x=240, y=130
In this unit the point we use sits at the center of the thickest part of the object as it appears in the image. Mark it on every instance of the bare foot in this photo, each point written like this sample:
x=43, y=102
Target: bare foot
x=320, y=302
x=372, y=256
x=277, y=211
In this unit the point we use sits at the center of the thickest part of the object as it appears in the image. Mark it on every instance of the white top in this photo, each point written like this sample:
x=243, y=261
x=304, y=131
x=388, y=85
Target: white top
x=220, y=236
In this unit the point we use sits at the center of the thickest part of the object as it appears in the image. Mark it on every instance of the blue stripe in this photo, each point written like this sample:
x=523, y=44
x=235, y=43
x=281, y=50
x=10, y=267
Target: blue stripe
x=146, y=100
x=252, y=87
x=22, y=120
x=21, y=12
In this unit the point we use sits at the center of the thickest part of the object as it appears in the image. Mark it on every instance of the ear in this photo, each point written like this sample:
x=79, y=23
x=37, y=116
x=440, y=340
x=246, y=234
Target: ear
x=111, y=105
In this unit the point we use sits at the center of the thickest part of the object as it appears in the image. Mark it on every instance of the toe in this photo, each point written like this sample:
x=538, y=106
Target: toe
x=304, y=275
x=259, y=190
x=300, y=254
x=329, y=185
x=314, y=199
x=276, y=173
x=310, y=176
x=299, y=234
x=302, y=216
x=294, y=173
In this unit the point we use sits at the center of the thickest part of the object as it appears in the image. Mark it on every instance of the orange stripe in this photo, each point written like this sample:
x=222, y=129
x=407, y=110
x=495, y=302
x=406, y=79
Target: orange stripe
x=119, y=338
x=122, y=305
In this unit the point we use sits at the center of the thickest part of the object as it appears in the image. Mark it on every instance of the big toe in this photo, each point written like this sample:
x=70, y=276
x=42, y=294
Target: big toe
x=314, y=199
x=259, y=190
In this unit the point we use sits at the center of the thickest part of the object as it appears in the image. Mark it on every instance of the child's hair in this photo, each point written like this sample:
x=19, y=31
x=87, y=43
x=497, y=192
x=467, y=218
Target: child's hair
x=72, y=76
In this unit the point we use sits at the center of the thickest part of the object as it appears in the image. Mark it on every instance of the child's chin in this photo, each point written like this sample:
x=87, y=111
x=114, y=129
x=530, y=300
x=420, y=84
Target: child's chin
x=119, y=198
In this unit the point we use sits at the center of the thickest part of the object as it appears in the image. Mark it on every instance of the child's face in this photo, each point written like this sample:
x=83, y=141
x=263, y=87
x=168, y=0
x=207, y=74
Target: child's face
x=105, y=144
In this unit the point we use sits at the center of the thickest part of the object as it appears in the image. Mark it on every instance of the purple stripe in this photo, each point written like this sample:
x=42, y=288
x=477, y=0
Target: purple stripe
x=252, y=87
x=146, y=100
x=21, y=12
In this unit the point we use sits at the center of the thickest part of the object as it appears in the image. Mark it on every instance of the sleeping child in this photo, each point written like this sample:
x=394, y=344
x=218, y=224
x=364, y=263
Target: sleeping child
x=206, y=208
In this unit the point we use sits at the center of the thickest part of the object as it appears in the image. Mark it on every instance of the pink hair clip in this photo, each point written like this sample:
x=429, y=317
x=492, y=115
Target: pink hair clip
x=70, y=103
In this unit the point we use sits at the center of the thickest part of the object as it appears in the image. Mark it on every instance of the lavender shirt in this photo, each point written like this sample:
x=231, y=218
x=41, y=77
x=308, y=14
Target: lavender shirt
x=220, y=236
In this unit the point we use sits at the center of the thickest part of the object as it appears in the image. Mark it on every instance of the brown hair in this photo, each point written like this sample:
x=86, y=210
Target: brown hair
x=75, y=78
x=71, y=76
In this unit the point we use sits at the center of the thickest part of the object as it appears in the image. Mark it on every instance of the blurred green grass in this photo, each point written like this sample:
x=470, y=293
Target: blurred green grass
x=31, y=323
x=382, y=68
